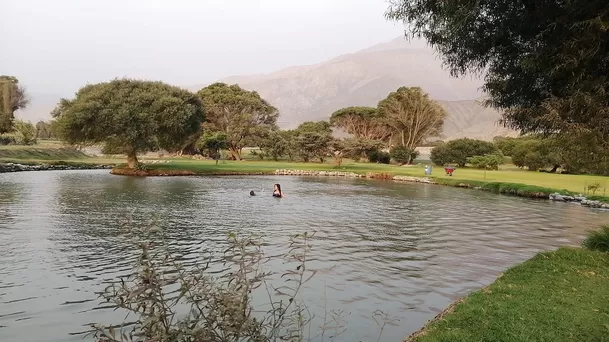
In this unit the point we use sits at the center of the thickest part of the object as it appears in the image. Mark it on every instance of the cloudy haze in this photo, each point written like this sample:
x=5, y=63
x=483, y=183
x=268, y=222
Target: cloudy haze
x=57, y=46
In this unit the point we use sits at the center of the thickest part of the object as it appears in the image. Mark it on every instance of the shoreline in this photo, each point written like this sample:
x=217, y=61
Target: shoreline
x=513, y=189
x=517, y=304
x=17, y=167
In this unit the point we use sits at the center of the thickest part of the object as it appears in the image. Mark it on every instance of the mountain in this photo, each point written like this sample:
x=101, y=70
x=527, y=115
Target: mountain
x=470, y=119
x=362, y=78
x=314, y=92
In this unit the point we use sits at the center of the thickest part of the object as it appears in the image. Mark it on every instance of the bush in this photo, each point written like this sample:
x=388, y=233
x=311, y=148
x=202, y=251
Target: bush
x=168, y=301
x=9, y=139
x=598, y=240
x=457, y=151
x=26, y=131
x=489, y=161
x=403, y=155
x=378, y=156
x=534, y=155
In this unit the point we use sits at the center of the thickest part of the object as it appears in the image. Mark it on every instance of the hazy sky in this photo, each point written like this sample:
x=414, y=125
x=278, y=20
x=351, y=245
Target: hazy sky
x=56, y=46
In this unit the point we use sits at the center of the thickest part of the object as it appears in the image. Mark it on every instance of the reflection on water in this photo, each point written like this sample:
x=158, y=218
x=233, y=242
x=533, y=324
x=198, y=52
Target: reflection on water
x=408, y=249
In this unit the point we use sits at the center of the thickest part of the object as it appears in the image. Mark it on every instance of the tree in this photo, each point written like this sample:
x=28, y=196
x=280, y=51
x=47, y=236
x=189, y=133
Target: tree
x=274, y=145
x=12, y=97
x=212, y=144
x=357, y=148
x=322, y=127
x=43, y=130
x=362, y=122
x=412, y=115
x=242, y=115
x=545, y=62
x=457, y=151
x=130, y=116
x=403, y=155
x=337, y=150
x=489, y=161
x=313, y=145
x=533, y=154
x=26, y=131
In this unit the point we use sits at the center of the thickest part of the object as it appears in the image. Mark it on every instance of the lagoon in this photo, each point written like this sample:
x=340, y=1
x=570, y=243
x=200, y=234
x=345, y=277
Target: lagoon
x=408, y=249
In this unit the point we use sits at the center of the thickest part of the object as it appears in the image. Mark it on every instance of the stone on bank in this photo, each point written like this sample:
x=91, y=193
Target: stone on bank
x=14, y=167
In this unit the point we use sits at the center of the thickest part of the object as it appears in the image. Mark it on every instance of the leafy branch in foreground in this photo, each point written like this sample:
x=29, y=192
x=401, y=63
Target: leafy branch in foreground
x=214, y=301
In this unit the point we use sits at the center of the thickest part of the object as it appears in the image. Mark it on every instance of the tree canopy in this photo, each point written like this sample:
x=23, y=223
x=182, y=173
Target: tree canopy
x=458, y=151
x=12, y=97
x=130, y=116
x=242, y=115
x=361, y=122
x=545, y=62
x=412, y=116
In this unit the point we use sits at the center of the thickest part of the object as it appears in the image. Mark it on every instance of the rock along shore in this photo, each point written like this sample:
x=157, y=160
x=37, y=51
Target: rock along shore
x=13, y=167
x=580, y=199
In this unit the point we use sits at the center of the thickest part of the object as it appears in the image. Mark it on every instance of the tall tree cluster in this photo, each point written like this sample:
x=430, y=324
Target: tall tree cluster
x=132, y=117
x=243, y=116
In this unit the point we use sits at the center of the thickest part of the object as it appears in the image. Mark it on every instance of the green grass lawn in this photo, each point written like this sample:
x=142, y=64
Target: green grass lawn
x=48, y=151
x=555, y=296
x=509, y=174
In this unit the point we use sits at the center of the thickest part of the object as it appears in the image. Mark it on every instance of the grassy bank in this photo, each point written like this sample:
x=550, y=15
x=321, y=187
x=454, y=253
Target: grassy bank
x=508, y=180
x=33, y=153
x=514, y=182
x=555, y=296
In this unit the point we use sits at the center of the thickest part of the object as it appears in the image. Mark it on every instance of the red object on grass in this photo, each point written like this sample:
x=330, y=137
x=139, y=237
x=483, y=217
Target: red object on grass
x=449, y=170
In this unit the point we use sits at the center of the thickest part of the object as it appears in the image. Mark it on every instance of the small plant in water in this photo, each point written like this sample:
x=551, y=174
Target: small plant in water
x=174, y=303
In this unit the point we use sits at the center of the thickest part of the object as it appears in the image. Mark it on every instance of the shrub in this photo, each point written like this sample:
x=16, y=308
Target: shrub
x=26, y=131
x=489, y=161
x=403, y=155
x=378, y=156
x=598, y=240
x=9, y=139
x=171, y=302
x=457, y=151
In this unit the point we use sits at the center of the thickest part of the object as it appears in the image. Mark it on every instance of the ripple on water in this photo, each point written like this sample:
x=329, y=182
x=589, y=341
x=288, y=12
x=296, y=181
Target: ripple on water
x=409, y=249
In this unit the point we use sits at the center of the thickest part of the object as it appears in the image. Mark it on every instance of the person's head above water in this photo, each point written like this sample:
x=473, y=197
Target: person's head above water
x=277, y=190
x=252, y=193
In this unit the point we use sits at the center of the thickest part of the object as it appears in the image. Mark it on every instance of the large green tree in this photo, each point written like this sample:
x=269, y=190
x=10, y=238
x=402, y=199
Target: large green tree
x=212, y=143
x=12, y=98
x=361, y=122
x=242, y=115
x=545, y=62
x=412, y=116
x=459, y=150
x=43, y=130
x=130, y=116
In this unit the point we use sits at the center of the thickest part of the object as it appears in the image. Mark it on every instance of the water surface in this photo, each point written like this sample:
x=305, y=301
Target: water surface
x=408, y=249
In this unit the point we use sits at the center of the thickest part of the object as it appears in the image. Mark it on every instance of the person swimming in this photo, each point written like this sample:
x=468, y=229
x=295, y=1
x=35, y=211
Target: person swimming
x=252, y=193
x=277, y=191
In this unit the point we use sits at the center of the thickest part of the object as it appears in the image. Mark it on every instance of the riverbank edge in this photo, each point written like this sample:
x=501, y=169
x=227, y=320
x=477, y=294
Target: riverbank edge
x=513, y=189
x=464, y=318
x=51, y=166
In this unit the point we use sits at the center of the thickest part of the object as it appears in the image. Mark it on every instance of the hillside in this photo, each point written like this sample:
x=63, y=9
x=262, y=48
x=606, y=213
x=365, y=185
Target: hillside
x=363, y=78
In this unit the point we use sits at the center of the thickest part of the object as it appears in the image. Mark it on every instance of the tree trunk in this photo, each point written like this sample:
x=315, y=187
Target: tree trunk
x=132, y=160
x=235, y=153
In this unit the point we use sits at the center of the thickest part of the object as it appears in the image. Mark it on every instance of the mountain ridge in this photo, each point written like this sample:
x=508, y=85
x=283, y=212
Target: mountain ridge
x=362, y=78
